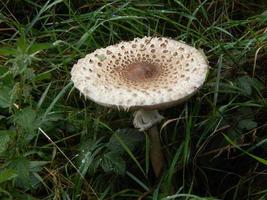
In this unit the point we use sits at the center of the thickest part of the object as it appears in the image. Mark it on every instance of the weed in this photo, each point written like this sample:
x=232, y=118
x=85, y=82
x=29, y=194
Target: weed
x=54, y=144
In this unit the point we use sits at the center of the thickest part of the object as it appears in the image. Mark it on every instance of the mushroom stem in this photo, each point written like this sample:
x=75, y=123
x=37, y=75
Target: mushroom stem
x=147, y=120
x=156, y=155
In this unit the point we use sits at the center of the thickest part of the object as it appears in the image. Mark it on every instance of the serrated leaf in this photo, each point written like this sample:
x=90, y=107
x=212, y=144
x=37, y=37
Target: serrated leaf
x=4, y=139
x=7, y=174
x=247, y=124
x=113, y=162
x=26, y=119
x=6, y=78
x=6, y=85
x=22, y=166
x=5, y=97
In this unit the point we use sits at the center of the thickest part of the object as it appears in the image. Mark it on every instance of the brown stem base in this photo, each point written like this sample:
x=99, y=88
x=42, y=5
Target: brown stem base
x=156, y=155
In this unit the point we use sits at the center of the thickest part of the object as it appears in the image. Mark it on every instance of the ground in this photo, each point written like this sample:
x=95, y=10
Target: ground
x=55, y=144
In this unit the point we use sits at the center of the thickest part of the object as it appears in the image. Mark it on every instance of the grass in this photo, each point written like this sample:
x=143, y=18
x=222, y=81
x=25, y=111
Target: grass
x=54, y=144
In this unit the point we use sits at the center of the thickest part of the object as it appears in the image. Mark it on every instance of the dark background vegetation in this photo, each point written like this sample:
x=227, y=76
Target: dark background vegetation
x=54, y=144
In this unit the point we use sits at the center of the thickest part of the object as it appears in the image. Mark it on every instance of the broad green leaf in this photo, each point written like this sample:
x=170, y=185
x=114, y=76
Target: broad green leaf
x=88, y=156
x=131, y=138
x=7, y=174
x=247, y=124
x=26, y=119
x=4, y=139
x=247, y=84
x=244, y=83
x=5, y=97
x=113, y=162
x=36, y=166
x=129, y=152
x=6, y=85
x=22, y=166
x=6, y=78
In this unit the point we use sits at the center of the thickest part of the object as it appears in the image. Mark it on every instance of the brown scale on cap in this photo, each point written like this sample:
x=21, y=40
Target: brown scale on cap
x=154, y=71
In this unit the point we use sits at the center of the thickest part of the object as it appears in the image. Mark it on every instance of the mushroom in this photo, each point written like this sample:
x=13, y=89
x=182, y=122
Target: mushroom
x=143, y=75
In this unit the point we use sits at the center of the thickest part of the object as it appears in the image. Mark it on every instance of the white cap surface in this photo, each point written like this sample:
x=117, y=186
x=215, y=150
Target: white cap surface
x=148, y=73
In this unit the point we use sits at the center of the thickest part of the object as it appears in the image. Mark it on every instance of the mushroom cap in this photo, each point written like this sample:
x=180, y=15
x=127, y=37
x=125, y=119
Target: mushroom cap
x=147, y=73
